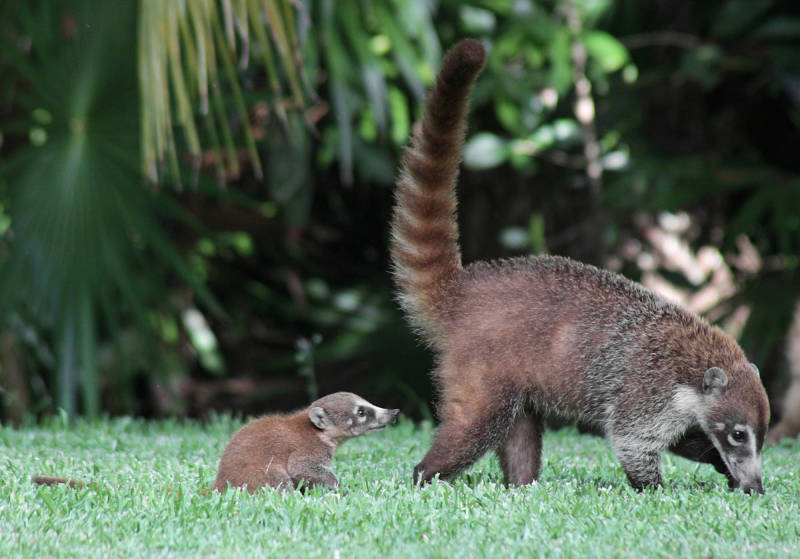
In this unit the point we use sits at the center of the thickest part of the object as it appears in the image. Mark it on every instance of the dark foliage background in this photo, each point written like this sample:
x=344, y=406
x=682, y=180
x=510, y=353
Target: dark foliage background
x=651, y=137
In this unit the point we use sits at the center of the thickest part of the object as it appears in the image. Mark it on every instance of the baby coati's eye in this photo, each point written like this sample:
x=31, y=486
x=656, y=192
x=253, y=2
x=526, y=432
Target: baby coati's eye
x=360, y=412
x=739, y=436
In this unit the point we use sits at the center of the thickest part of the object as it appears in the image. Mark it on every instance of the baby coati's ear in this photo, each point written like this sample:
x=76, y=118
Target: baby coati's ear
x=715, y=382
x=320, y=418
x=755, y=368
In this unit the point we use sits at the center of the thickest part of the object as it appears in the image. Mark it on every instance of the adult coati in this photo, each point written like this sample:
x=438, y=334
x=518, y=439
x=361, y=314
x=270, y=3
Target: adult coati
x=520, y=339
x=284, y=450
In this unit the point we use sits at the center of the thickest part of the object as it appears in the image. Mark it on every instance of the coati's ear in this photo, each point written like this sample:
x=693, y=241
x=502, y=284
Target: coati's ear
x=715, y=381
x=758, y=373
x=319, y=417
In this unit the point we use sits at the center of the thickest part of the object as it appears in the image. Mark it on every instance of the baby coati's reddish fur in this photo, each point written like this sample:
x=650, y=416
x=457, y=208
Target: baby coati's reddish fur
x=284, y=450
x=521, y=339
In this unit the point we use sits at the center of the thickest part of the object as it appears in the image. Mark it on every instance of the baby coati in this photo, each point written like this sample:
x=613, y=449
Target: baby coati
x=283, y=450
x=520, y=339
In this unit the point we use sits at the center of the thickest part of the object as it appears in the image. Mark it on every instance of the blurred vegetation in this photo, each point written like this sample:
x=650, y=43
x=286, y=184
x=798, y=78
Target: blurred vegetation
x=194, y=195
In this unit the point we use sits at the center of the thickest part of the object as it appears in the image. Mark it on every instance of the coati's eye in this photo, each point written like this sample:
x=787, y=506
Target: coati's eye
x=360, y=412
x=739, y=436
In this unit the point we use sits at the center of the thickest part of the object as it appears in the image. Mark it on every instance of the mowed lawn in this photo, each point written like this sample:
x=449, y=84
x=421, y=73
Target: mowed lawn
x=581, y=507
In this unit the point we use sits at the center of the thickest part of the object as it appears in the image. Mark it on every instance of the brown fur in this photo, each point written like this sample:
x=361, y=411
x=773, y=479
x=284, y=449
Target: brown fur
x=50, y=481
x=789, y=425
x=520, y=339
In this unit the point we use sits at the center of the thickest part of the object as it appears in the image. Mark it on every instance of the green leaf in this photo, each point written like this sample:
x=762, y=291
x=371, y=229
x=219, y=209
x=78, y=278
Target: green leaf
x=401, y=120
x=560, y=61
x=477, y=21
x=485, y=151
x=508, y=113
x=606, y=50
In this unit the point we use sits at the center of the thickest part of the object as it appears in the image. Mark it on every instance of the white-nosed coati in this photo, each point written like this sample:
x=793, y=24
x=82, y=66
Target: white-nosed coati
x=789, y=425
x=524, y=338
x=283, y=450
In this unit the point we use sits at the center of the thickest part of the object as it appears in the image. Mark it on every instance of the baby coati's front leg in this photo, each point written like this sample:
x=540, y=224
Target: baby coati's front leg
x=521, y=453
x=311, y=472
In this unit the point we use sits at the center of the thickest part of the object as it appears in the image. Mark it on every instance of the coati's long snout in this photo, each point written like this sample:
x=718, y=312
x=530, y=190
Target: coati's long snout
x=520, y=339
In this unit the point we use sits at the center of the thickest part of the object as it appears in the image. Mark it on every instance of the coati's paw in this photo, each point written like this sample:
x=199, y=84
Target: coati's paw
x=641, y=487
x=419, y=475
x=423, y=477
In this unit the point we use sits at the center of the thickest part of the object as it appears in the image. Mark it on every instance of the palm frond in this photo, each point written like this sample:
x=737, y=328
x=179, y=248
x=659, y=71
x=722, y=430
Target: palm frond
x=187, y=53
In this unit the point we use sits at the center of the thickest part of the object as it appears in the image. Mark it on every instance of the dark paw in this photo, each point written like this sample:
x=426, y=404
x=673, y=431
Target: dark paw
x=642, y=487
x=419, y=475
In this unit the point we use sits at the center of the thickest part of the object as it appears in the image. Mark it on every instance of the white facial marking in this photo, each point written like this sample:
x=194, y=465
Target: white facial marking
x=751, y=466
x=751, y=437
x=363, y=405
x=719, y=427
x=688, y=402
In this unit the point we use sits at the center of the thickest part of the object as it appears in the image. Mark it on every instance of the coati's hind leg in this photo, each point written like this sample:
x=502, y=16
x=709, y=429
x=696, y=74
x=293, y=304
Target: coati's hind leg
x=521, y=453
x=472, y=423
x=311, y=473
x=254, y=478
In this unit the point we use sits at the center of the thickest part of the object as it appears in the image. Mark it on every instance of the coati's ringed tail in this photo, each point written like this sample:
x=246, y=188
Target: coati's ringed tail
x=424, y=244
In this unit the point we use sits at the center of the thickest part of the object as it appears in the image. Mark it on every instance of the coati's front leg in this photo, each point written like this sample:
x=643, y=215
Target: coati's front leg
x=311, y=473
x=639, y=455
x=643, y=467
x=521, y=453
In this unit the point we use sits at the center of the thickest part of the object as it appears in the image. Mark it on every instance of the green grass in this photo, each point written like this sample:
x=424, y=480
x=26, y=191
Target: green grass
x=582, y=506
